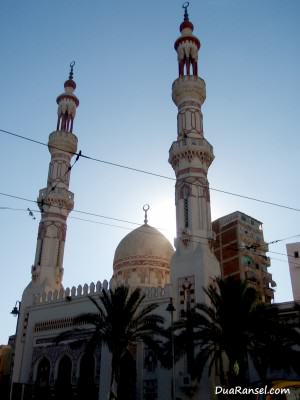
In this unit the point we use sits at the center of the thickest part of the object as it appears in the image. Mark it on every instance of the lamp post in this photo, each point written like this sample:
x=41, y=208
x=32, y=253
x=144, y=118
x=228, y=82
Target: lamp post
x=171, y=310
x=15, y=312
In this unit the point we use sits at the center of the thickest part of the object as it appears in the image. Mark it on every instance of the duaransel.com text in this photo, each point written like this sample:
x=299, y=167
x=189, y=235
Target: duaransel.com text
x=245, y=390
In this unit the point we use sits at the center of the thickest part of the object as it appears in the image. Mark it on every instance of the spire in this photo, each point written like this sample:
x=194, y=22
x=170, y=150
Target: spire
x=67, y=104
x=71, y=70
x=146, y=208
x=185, y=6
x=187, y=46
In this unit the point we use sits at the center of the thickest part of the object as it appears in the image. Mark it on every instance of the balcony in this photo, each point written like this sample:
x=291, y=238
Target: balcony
x=251, y=276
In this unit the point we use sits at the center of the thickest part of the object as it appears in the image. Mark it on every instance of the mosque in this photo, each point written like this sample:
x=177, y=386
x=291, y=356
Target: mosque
x=144, y=258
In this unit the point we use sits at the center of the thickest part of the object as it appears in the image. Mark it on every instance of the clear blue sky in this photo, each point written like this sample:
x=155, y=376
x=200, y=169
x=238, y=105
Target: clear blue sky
x=125, y=66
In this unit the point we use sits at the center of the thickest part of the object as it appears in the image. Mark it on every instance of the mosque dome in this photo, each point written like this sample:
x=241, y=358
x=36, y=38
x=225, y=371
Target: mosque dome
x=142, y=258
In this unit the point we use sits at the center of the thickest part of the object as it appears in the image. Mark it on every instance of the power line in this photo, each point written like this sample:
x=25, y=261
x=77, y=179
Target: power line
x=74, y=210
x=235, y=248
x=254, y=246
x=23, y=137
x=101, y=223
x=118, y=219
x=282, y=240
x=80, y=154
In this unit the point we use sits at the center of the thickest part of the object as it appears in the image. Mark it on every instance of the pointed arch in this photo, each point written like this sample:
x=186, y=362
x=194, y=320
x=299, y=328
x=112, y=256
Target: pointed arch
x=43, y=372
x=41, y=388
x=87, y=388
x=63, y=383
x=64, y=370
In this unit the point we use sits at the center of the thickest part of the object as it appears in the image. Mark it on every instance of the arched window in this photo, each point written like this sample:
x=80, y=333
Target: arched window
x=87, y=389
x=64, y=379
x=64, y=371
x=43, y=373
x=41, y=387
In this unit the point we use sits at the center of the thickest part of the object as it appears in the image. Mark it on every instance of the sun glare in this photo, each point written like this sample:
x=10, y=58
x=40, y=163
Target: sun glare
x=162, y=216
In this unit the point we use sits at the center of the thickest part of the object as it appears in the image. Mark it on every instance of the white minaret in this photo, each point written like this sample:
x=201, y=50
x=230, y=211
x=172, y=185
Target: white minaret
x=194, y=264
x=55, y=202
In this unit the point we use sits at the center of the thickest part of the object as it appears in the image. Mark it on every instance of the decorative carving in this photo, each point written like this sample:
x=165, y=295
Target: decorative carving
x=186, y=289
x=185, y=190
x=189, y=121
x=142, y=260
x=185, y=237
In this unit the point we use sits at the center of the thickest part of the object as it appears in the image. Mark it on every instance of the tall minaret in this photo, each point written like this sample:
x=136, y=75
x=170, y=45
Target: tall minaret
x=194, y=263
x=55, y=202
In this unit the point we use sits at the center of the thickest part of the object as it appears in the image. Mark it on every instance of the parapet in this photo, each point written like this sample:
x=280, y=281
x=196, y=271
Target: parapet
x=92, y=289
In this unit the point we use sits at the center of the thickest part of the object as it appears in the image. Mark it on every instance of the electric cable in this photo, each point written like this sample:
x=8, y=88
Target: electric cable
x=80, y=154
x=231, y=247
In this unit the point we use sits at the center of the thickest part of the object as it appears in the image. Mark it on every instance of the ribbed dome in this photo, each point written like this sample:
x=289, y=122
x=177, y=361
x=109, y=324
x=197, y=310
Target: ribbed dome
x=143, y=257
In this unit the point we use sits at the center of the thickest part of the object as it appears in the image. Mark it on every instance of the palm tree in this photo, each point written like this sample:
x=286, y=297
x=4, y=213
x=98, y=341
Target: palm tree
x=219, y=330
x=231, y=331
x=120, y=322
x=275, y=342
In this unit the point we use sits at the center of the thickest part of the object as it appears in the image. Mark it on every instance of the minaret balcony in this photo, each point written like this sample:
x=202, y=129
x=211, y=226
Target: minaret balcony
x=60, y=198
x=189, y=151
x=188, y=88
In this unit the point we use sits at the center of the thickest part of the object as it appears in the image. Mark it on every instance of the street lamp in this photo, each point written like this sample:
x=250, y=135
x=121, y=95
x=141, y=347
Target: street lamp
x=171, y=310
x=15, y=312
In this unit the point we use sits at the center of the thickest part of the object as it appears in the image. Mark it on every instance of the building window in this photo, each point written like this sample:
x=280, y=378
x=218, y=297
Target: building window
x=296, y=254
x=246, y=260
